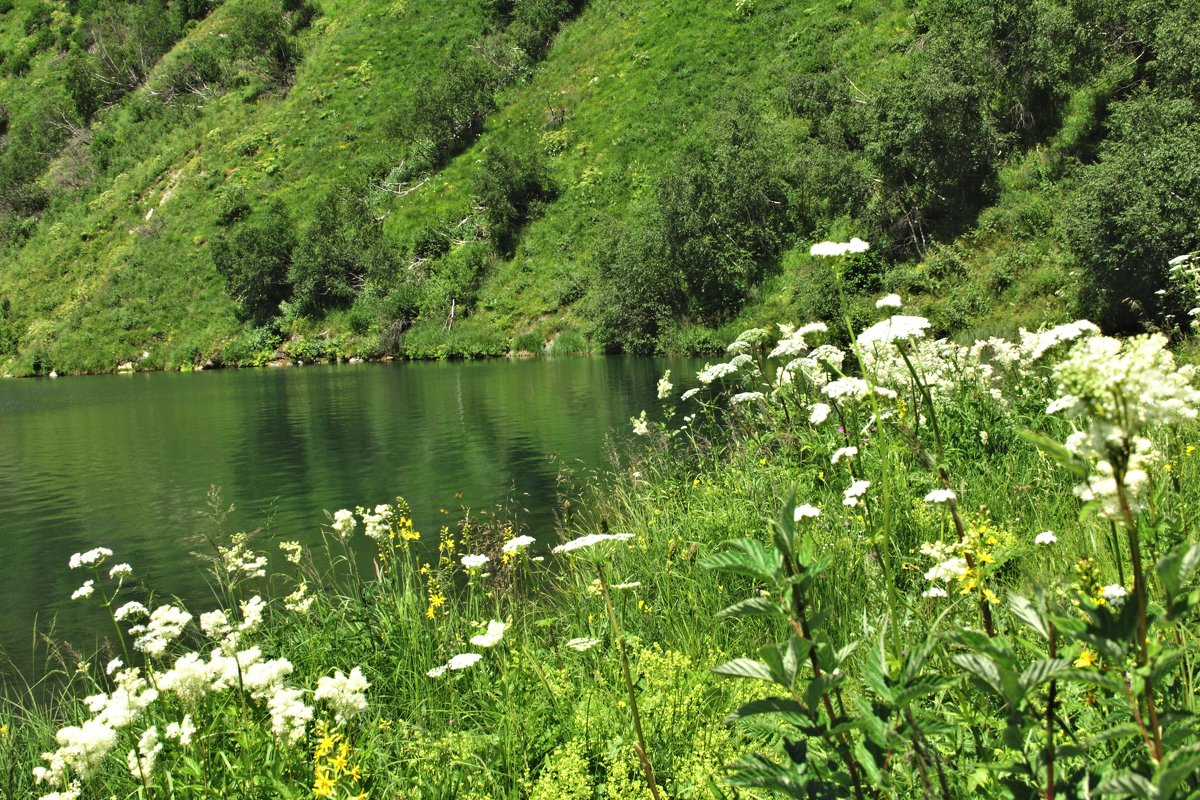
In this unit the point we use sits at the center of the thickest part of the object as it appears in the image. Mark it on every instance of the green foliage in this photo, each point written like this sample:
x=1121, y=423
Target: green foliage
x=1136, y=208
x=341, y=247
x=256, y=261
x=528, y=342
x=510, y=184
x=638, y=291
x=447, y=112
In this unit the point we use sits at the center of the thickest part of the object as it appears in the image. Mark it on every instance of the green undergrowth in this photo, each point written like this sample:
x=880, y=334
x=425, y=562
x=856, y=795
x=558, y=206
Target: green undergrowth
x=950, y=541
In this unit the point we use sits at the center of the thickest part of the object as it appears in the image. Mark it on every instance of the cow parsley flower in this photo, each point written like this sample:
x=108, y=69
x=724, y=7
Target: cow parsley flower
x=934, y=591
x=819, y=413
x=843, y=452
x=805, y=511
x=857, y=489
x=84, y=591
x=714, y=372
x=493, y=635
x=1045, y=538
x=91, y=558
x=516, y=544
x=165, y=625
x=889, y=301
x=581, y=643
x=940, y=496
x=120, y=571
x=591, y=539
x=745, y=397
x=689, y=394
x=898, y=328
x=463, y=661
x=132, y=608
x=474, y=561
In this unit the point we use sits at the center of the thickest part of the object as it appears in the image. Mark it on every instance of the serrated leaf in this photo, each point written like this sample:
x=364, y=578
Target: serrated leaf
x=789, y=709
x=1129, y=785
x=745, y=668
x=1042, y=671
x=1024, y=609
x=761, y=606
x=1176, y=568
x=746, y=557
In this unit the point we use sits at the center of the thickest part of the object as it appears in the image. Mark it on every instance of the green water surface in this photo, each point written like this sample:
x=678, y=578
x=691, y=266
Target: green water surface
x=126, y=462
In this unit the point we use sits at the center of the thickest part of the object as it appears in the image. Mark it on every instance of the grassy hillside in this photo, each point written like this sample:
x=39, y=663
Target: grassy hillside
x=412, y=178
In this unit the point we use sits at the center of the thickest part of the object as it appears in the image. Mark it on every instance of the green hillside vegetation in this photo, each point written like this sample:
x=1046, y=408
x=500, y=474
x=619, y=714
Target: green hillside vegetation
x=191, y=182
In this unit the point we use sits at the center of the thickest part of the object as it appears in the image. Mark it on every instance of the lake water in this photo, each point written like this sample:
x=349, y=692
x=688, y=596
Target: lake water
x=126, y=462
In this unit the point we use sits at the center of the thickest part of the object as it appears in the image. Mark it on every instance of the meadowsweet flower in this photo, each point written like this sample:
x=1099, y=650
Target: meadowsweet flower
x=819, y=413
x=113, y=666
x=805, y=511
x=84, y=591
x=493, y=635
x=857, y=489
x=289, y=715
x=1045, y=538
x=165, y=625
x=343, y=523
x=474, y=562
x=299, y=601
x=70, y=793
x=843, y=452
x=376, y=525
x=855, y=245
x=852, y=388
x=950, y=569
x=581, y=643
x=516, y=544
x=263, y=677
x=239, y=559
x=190, y=679
x=898, y=328
x=181, y=731
x=584, y=542
x=345, y=694
x=889, y=301
x=1114, y=594
x=80, y=749
x=91, y=558
x=141, y=761
x=745, y=397
x=665, y=386
x=215, y=624
x=292, y=551
x=940, y=496
x=640, y=426
x=120, y=571
x=463, y=661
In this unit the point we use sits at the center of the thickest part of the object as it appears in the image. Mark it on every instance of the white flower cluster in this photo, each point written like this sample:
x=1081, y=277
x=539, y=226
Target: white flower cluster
x=591, y=539
x=641, y=426
x=517, y=543
x=492, y=636
x=345, y=694
x=92, y=558
x=459, y=662
x=855, y=245
x=377, y=524
x=665, y=386
x=343, y=523
x=1121, y=389
x=165, y=625
x=239, y=560
x=714, y=372
x=947, y=566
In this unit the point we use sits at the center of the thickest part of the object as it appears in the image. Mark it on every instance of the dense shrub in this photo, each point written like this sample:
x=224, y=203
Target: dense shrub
x=1136, y=208
x=637, y=291
x=447, y=112
x=510, y=184
x=255, y=260
x=341, y=247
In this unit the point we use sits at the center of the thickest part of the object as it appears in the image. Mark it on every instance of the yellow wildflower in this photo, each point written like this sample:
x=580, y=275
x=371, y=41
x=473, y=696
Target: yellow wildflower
x=990, y=596
x=323, y=786
x=1086, y=659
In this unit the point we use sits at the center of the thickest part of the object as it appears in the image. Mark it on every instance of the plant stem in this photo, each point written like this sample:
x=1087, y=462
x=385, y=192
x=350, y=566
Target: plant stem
x=1050, y=707
x=633, y=707
x=1139, y=592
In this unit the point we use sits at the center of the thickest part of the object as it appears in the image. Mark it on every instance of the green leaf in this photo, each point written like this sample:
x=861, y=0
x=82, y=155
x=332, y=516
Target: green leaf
x=1177, y=567
x=746, y=557
x=745, y=668
x=1024, y=610
x=762, y=606
x=1055, y=450
x=789, y=709
x=784, y=529
x=875, y=674
x=1000, y=679
x=1043, y=671
x=1129, y=785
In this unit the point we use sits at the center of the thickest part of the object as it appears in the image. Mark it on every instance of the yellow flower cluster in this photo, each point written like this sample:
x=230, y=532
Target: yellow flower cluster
x=334, y=768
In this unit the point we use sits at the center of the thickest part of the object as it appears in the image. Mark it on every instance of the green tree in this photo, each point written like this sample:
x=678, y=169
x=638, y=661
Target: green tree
x=255, y=260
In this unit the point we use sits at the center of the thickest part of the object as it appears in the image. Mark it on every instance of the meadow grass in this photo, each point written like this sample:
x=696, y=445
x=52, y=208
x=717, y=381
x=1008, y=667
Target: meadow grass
x=927, y=584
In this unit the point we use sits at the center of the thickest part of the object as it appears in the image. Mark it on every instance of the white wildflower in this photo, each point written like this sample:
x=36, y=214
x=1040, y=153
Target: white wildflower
x=819, y=413
x=714, y=372
x=745, y=397
x=493, y=635
x=806, y=511
x=898, y=328
x=343, y=523
x=582, y=643
x=182, y=732
x=84, y=591
x=289, y=715
x=940, y=496
x=843, y=452
x=91, y=558
x=437, y=672
x=591, y=539
x=141, y=761
x=345, y=694
x=516, y=544
x=165, y=625
x=855, y=245
x=120, y=571
x=463, y=661
x=857, y=489
x=934, y=591
x=689, y=394
x=1114, y=594
x=1045, y=537
x=252, y=614
x=665, y=386
x=950, y=569
x=299, y=601
x=474, y=561
x=889, y=301
x=640, y=426
x=292, y=551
